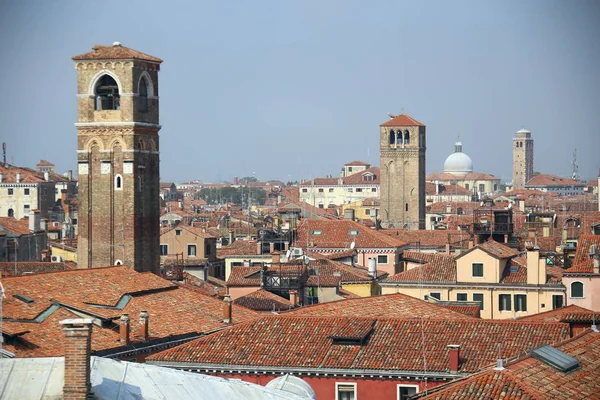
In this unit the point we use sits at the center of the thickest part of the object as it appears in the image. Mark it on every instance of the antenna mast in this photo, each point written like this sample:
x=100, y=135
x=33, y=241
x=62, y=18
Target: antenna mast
x=575, y=167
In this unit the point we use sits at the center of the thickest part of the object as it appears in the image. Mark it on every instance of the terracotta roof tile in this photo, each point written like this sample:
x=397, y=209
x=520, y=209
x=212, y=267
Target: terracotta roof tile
x=570, y=313
x=446, y=190
x=263, y=300
x=10, y=225
x=115, y=52
x=244, y=276
x=438, y=268
x=528, y=378
x=340, y=234
x=402, y=120
x=238, y=248
x=396, y=305
x=266, y=343
x=551, y=180
x=173, y=310
x=494, y=249
x=27, y=268
x=430, y=238
x=583, y=263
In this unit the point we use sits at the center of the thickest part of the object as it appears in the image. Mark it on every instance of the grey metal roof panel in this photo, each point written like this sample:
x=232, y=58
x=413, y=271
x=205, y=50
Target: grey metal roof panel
x=555, y=358
x=42, y=378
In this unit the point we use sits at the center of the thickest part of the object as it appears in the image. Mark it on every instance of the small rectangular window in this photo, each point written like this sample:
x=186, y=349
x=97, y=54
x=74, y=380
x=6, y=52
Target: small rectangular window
x=477, y=270
x=350, y=190
x=382, y=259
x=345, y=391
x=461, y=296
x=481, y=187
x=304, y=190
x=330, y=190
x=191, y=250
x=504, y=302
x=520, y=302
x=478, y=297
x=177, y=232
x=373, y=189
x=26, y=191
x=164, y=249
x=10, y=191
x=358, y=190
x=320, y=190
x=406, y=392
x=557, y=301
x=367, y=212
x=436, y=295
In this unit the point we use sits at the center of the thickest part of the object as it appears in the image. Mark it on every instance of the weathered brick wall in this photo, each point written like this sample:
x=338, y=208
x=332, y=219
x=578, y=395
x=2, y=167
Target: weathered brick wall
x=118, y=224
x=403, y=179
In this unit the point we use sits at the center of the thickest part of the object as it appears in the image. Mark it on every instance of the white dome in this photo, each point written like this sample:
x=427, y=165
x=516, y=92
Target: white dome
x=293, y=384
x=458, y=163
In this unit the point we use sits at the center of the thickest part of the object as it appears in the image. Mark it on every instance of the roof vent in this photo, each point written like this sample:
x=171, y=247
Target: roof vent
x=499, y=365
x=24, y=298
x=555, y=358
x=117, y=44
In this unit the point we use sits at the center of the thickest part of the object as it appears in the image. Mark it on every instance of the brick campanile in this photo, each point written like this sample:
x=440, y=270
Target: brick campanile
x=522, y=158
x=402, y=161
x=118, y=158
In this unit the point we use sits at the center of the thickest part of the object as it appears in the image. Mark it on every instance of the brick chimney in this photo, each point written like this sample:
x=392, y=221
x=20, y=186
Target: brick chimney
x=258, y=247
x=124, y=329
x=78, y=349
x=227, y=309
x=276, y=257
x=454, y=357
x=143, y=326
x=231, y=237
x=294, y=297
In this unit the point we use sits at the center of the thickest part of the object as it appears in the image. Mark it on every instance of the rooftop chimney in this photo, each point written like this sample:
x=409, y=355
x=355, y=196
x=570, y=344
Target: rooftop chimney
x=231, y=237
x=294, y=297
x=596, y=267
x=372, y=267
x=124, y=329
x=227, y=309
x=46, y=176
x=70, y=174
x=454, y=356
x=258, y=247
x=34, y=221
x=18, y=177
x=276, y=257
x=143, y=327
x=1, y=177
x=78, y=349
x=499, y=365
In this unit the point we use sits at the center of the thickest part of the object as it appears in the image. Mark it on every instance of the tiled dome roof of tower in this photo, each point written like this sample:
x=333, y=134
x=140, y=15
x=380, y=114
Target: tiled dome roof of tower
x=402, y=120
x=115, y=52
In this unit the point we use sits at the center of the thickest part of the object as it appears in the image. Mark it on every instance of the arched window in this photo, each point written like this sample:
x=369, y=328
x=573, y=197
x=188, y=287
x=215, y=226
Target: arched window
x=118, y=182
x=11, y=212
x=406, y=137
x=577, y=290
x=392, y=137
x=107, y=94
x=143, y=96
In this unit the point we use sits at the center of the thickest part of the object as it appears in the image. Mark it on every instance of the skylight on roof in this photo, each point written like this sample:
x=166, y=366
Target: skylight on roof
x=514, y=268
x=555, y=358
x=354, y=232
x=23, y=298
x=316, y=232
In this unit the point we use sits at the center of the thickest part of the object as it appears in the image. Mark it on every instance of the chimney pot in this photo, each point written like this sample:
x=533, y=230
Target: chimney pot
x=258, y=248
x=143, y=327
x=596, y=265
x=78, y=349
x=454, y=356
x=294, y=297
x=227, y=306
x=124, y=329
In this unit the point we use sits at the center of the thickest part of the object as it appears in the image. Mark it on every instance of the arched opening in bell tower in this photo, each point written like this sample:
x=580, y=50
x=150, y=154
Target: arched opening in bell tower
x=107, y=94
x=143, y=96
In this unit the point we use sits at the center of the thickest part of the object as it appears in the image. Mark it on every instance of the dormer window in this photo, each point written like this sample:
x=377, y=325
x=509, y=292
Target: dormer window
x=107, y=94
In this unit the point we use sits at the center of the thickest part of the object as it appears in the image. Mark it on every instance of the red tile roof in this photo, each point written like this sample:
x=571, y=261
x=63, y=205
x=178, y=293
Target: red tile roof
x=438, y=268
x=336, y=234
x=446, y=190
x=528, y=378
x=354, y=179
x=430, y=238
x=16, y=227
x=583, y=263
x=570, y=313
x=244, y=276
x=263, y=300
x=27, y=268
x=97, y=293
x=28, y=175
x=396, y=305
x=545, y=180
x=238, y=248
x=494, y=249
x=402, y=120
x=359, y=163
x=115, y=52
x=266, y=343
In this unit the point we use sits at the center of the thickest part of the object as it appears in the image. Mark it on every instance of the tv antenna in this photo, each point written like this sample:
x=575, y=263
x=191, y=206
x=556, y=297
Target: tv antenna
x=575, y=167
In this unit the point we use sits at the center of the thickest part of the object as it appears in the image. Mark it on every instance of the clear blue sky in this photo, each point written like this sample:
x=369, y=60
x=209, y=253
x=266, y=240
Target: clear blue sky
x=294, y=89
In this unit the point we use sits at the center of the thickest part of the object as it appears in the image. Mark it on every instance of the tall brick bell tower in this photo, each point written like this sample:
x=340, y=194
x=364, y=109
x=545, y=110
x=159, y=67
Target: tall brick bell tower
x=402, y=161
x=118, y=158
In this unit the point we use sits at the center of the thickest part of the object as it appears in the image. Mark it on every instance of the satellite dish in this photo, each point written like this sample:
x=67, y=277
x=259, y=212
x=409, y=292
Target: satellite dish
x=352, y=245
x=287, y=254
